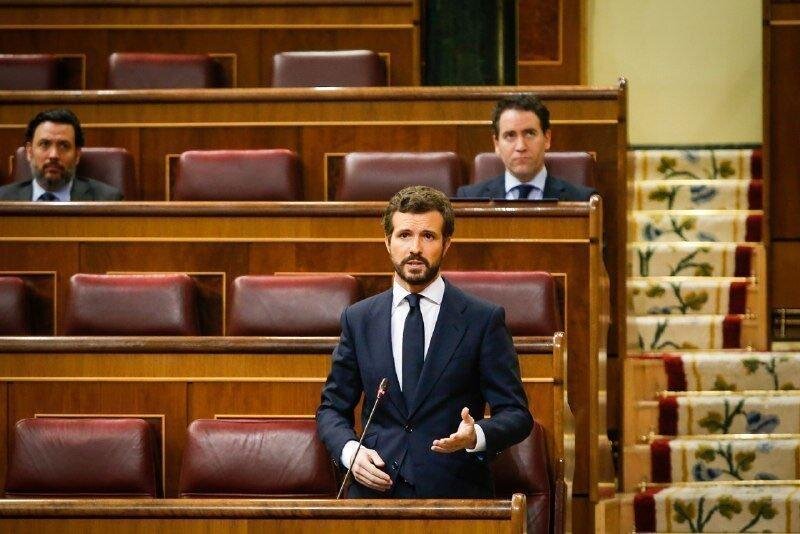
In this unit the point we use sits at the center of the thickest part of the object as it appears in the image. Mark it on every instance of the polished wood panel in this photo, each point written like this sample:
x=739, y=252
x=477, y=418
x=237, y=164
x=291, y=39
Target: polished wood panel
x=242, y=515
x=251, y=30
x=551, y=36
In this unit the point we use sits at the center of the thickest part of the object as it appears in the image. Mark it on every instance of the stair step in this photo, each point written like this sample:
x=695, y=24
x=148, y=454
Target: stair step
x=732, y=371
x=725, y=164
x=678, y=332
x=731, y=507
x=696, y=195
x=693, y=259
x=691, y=296
x=692, y=414
x=695, y=225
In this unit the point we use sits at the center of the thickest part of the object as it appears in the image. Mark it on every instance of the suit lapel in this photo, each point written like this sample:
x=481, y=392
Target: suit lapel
x=552, y=188
x=446, y=337
x=496, y=188
x=80, y=190
x=25, y=192
x=379, y=342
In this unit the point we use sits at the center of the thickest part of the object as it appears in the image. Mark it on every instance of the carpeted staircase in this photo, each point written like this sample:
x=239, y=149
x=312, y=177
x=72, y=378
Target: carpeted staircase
x=712, y=425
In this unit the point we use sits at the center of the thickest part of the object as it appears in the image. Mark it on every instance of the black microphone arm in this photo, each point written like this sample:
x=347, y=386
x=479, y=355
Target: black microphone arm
x=381, y=391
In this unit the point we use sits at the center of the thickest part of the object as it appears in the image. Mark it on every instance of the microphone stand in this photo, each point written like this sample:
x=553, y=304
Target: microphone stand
x=381, y=391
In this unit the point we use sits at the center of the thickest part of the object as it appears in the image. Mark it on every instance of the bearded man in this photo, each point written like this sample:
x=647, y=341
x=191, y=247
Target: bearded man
x=446, y=355
x=53, y=142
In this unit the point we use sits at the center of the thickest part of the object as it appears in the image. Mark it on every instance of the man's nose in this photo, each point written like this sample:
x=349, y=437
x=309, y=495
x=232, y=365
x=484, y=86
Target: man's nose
x=416, y=244
x=52, y=152
x=519, y=144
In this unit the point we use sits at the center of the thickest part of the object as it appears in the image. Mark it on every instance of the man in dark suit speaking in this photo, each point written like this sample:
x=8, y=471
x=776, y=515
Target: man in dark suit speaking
x=446, y=355
x=53, y=142
x=521, y=134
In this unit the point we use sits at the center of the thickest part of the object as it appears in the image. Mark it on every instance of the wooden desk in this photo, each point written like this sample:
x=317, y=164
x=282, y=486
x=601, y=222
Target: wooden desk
x=248, y=31
x=173, y=381
x=124, y=516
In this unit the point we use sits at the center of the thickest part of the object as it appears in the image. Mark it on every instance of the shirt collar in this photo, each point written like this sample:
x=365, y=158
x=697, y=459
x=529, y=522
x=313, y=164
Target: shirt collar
x=434, y=292
x=537, y=182
x=63, y=194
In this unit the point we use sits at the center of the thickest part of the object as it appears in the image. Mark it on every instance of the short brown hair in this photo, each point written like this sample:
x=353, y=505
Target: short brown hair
x=420, y=199
x=521, y=102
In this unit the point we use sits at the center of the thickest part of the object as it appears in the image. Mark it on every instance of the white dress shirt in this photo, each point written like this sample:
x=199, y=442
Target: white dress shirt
x=538, y=181
x=63, y=194
x=429, y=305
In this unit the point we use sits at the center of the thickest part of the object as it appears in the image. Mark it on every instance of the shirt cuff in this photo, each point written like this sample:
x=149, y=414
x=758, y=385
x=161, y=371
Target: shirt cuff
x=348, y=451
x=480, y=444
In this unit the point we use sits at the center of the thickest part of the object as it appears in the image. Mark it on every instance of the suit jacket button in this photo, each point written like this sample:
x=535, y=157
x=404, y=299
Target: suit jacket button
x=408, y=428
x=395, y=465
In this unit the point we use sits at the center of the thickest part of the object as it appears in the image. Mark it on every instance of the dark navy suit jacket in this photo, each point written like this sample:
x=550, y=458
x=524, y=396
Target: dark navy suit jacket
x=470, y=362
x=82, y=189
x=553, y=188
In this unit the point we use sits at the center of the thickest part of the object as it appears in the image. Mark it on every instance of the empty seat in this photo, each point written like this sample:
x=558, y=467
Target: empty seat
x=161, y=71
x=379, y=175
x=237, y=175
x=256, y=458
x=304, y=305
x=110, y=165
x=575, y=167
x=28, y=72
x=131, y=305
x=14, y=307
x=529, y=298
x=524, y=468
x=81, y=457
x=337, y=68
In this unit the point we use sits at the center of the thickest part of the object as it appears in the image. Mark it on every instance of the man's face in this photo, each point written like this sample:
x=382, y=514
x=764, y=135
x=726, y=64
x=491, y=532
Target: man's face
x=521, y=143
x=417, y=247
x=53, y=155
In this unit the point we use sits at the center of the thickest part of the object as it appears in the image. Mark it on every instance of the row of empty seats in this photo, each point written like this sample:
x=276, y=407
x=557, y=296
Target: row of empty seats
x=274, y=174
x=338, y=68
x=284, y=305
x=233, y=458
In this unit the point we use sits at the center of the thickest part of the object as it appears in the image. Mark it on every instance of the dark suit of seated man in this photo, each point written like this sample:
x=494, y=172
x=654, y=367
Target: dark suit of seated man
x=446, y=354
x=53, y=142
x=521, y=134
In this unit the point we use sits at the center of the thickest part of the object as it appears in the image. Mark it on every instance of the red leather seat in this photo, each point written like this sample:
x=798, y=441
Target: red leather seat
x=237, y=175
x=379, y=175
x=131, y=70
x=29, y=72
x=110, y=165
x=304, y=305
x=523, y=468
x=575, y=167
x=81, y=457
x=256, y=459
x=529, y=298
x=337, y=68
x=14, y=308
x=131, y=305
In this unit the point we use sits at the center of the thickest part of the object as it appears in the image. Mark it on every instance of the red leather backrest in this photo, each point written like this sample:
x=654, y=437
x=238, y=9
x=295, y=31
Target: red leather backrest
x=523, y=469
x=14, y=310
x=379, y=175
x=337, y=68
x=575, y=167
x=81, y=457
x=237, y=175
x=529, y=298
x=131, y=305
x=28, y=72
x=304, y=305
x=110, y=165
x=161, y=71
x=252, y=458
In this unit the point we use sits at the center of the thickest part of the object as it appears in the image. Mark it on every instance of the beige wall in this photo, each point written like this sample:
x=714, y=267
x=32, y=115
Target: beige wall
x=693, y=66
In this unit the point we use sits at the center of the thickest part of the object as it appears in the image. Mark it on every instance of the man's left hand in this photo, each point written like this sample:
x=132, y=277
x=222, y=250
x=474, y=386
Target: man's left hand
x=463, y=438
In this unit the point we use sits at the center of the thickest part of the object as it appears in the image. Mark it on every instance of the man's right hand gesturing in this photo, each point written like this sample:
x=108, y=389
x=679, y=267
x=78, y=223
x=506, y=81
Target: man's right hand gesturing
x=367, y=470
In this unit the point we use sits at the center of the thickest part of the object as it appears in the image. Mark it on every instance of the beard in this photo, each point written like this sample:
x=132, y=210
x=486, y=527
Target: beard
x=52, y=182
x=424, y=277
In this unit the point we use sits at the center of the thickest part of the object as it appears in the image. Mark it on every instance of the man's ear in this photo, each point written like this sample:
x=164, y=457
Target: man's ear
x=28, y=150
x=77, y=155
x=496, y=144
x=446, y=245
x=548, y=136
x=387, y=240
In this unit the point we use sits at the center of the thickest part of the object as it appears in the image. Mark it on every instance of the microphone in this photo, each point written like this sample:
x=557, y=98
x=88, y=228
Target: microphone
x=381, y=392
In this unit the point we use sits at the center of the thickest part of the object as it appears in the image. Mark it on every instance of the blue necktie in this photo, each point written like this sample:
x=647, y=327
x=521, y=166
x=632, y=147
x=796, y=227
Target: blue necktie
x=47, y=196
x=524, y=190
x=413, y=348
